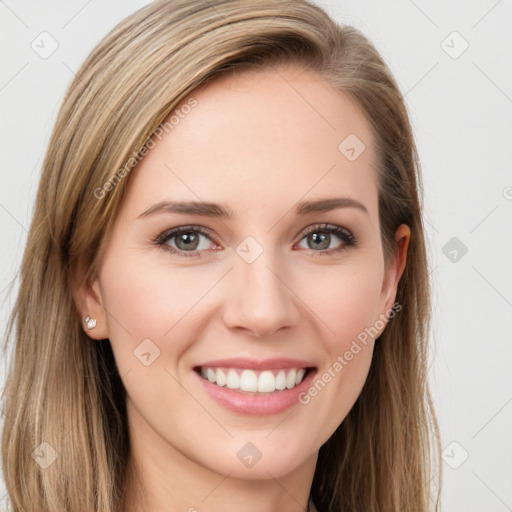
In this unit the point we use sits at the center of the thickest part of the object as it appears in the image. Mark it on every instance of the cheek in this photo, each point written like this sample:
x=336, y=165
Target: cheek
x=345, y=299
x=347, y=311
x=148, y=301
x=151, y=322
x=148, y=294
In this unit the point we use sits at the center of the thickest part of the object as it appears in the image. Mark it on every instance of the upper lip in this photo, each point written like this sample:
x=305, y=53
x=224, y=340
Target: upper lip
x=257, y=364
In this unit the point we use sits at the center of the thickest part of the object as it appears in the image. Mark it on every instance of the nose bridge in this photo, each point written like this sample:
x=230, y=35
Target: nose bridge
x=259, y=299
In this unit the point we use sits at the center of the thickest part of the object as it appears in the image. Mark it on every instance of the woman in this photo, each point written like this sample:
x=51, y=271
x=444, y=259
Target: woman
x=224, y=297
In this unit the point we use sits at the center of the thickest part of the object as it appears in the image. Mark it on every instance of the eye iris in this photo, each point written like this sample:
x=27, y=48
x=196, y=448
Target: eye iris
x=319, y=240
x=188, y=239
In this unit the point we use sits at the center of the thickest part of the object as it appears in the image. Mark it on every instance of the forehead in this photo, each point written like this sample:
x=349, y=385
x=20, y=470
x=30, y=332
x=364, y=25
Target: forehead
x=257, y=140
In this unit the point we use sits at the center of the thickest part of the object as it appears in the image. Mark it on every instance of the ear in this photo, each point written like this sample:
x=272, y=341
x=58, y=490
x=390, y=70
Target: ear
x=395, y=268
x=88, y=301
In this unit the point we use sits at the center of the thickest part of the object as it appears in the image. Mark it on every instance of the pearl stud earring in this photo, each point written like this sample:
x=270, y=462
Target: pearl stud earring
x=90, y=322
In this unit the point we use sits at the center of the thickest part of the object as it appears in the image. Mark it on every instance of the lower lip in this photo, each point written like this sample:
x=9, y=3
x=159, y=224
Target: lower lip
x=256, y=405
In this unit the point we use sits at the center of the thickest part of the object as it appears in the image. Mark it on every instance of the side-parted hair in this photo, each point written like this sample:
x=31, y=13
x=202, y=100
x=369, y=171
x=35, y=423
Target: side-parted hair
x=64, y=390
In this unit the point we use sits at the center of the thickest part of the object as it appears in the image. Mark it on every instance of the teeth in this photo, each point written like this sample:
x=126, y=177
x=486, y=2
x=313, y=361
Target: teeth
x=221, y=378
x=281, y=380
x=290, y=379
x=248, y=381
x=266, y=381
x=233, y=380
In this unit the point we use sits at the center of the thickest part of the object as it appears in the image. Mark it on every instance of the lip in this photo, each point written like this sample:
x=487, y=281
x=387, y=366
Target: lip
x=255, y=364
x=257, y=404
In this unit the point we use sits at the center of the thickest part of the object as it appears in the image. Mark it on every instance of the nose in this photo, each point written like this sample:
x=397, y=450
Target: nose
x=259, y=301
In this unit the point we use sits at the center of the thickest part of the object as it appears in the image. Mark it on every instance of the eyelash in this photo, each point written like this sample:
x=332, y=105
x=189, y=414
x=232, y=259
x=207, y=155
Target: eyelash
x=349, y=239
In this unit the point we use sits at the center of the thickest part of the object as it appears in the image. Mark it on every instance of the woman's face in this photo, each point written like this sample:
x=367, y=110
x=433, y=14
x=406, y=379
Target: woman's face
x=251, y=298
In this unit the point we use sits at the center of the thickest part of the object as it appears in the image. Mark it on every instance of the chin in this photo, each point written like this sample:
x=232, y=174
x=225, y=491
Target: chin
x=259, y=460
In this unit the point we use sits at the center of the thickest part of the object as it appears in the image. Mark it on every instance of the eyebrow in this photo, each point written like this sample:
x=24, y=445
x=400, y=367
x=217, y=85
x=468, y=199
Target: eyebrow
x=206, y=209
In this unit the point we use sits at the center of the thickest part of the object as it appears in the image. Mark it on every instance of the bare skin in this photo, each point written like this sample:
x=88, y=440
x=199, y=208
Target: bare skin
x=257, y=146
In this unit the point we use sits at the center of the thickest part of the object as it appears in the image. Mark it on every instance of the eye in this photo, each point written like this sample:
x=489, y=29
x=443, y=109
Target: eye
x=183, y=240
x=320, y=237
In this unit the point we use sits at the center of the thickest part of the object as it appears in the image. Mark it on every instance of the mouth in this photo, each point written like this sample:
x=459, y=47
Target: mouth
x=255, y=381
x=255, y=387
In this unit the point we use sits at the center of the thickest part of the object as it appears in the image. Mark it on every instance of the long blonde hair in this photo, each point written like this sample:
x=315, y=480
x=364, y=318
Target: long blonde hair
x=64, y=390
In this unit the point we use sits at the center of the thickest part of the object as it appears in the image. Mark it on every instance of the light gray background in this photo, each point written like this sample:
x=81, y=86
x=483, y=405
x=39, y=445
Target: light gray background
x=460, y=107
